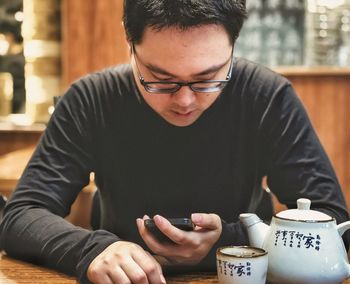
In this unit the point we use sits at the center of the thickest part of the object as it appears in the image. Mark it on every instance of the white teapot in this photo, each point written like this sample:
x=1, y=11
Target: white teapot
x=304, y=246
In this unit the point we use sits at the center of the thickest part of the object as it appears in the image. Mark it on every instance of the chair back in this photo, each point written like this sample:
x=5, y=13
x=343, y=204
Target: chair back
x=2, y=204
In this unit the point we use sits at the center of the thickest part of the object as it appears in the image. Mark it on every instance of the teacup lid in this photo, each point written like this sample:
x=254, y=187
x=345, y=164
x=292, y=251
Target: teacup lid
x=303, y=212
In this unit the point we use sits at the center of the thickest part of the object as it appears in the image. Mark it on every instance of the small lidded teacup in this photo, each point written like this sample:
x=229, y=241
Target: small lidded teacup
x=241, y=265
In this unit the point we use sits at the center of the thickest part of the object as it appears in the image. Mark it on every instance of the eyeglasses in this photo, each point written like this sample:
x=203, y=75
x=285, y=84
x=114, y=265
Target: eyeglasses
x=165, y=87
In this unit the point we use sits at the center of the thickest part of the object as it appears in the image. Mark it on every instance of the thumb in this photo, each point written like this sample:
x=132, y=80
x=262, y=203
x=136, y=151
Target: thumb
x=207, y=221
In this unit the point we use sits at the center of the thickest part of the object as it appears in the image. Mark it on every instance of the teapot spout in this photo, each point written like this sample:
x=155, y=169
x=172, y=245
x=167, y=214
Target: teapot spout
x=256, y=229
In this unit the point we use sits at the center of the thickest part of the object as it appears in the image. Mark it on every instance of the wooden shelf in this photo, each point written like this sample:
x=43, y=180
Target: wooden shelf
x=33, y=128
x=20, y=122
x=312, y=70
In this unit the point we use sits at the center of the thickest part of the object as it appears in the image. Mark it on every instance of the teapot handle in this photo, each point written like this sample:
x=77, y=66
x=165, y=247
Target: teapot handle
x=343, y=227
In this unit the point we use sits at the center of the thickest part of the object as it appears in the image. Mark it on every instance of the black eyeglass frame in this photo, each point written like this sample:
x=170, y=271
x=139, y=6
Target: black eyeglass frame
x=179, y=85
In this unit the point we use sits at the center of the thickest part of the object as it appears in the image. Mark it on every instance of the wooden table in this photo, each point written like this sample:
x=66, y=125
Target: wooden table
x=14, y=271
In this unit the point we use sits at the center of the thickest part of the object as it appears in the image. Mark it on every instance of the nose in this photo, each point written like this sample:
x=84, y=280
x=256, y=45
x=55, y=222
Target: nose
x=184, y=97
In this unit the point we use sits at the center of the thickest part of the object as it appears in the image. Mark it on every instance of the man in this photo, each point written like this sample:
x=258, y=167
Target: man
x=186, y=130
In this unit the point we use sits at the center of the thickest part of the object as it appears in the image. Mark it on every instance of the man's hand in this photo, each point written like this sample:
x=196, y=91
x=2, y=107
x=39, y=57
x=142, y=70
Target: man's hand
x=125, y=262
x=188, y=247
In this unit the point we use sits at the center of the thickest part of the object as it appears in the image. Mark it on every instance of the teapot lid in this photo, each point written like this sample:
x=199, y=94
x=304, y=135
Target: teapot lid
x=303, y=212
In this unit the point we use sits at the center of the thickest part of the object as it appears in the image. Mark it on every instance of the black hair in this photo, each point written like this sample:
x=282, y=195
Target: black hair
x=183, y=14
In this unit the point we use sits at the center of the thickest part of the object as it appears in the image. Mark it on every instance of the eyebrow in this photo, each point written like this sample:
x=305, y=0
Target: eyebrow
x=210, y=70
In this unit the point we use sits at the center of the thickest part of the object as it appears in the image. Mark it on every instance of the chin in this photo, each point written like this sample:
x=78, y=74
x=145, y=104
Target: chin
x=180, y=122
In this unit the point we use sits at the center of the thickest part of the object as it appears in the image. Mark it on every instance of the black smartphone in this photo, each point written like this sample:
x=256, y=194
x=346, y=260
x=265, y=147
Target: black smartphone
x=180, y=223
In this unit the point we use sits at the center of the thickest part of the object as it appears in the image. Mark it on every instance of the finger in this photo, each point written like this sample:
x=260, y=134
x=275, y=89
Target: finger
x=100, y=278
x=148, y=237
x=207, y=221
x=145, y=234
x=140, y=224
x=105, y=280
x=134, y=272
x=98, y=273
x=150, y=266
x=117, y=275
x=176, y=235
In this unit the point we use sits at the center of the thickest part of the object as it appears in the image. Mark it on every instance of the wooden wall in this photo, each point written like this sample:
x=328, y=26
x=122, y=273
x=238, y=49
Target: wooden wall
x=327, y=100
x=93, y=37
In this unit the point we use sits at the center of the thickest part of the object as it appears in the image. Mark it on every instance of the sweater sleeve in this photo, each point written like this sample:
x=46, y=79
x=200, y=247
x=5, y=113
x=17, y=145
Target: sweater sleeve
x=33, y=226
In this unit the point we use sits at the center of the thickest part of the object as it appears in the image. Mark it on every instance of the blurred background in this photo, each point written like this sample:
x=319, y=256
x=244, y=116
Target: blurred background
x=47, y=44
x=11, y=56
x=297, y=32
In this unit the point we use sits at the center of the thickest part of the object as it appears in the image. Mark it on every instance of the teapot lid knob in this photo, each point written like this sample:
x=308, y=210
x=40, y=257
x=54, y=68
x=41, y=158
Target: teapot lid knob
x=303, y=213
x=303, y=204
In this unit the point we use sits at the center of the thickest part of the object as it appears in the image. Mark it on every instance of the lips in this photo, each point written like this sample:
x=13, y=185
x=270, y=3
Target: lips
x=182, y=111
x=187, y=113
x=183, y=117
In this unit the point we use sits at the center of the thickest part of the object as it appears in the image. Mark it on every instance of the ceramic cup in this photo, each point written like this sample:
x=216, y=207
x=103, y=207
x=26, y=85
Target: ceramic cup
x=241, y=265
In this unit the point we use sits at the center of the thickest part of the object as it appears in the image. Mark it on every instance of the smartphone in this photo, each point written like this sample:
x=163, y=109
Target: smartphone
x=184, y=224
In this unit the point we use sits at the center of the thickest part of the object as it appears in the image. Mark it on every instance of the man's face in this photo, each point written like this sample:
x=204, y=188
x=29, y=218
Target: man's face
x=196, y=54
